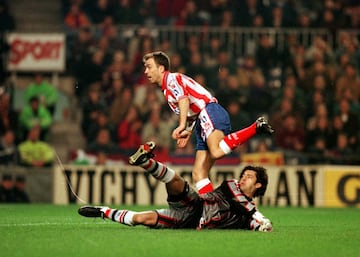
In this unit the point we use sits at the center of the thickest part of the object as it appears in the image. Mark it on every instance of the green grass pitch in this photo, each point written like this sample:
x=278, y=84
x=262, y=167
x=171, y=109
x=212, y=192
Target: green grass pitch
x=58, y=231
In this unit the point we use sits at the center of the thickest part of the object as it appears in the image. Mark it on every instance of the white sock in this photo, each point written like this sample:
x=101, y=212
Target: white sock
x=224, y=147
x=121, y=216
x=160, y=171
x=204, y=186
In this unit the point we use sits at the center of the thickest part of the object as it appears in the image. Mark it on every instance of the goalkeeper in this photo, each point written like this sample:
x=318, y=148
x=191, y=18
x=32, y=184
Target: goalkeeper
x=229, y=206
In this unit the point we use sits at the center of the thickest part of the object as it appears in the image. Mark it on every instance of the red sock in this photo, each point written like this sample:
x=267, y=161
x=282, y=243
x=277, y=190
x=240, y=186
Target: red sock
x=107, y=213
x=204, y=186
x=237, y=138
x=206, y=189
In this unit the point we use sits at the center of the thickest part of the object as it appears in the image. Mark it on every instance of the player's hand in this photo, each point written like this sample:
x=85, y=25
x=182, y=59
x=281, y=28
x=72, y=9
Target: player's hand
x=179, y=132
x=266, y=226
x=184, y=139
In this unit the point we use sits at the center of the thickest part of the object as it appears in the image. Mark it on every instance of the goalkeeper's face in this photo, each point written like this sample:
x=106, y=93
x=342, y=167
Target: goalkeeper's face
x=248, y=183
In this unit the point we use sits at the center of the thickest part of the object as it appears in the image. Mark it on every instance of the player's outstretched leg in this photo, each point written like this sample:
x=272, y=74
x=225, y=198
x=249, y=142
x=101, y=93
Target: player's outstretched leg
x=91, y=211
x=237, y=138
x=143, y=158
x=263, y=127
x=122, y=216
x=143, y=154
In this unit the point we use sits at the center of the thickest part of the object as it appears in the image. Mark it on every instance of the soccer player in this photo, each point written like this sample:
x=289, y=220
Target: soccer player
x=196, y=107
x=229, y=206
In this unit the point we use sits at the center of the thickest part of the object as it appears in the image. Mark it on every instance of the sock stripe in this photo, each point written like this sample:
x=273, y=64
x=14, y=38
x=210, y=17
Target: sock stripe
x=162, y=172
x=154, y=168
x=107, y=212
x=148, y=164
x=113, y=215
x=122, y=216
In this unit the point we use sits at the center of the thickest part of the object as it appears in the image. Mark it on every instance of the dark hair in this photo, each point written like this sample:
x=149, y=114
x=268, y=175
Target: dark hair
x=160, y=58
x=261, y=177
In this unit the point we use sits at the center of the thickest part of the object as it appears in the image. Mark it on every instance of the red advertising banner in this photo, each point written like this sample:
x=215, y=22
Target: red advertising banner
x=36, y=52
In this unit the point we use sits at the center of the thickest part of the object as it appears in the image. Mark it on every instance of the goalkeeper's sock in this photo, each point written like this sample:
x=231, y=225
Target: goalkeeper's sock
x=121, y=216
x=233, y=140
x=158, y=170
x=204, y=186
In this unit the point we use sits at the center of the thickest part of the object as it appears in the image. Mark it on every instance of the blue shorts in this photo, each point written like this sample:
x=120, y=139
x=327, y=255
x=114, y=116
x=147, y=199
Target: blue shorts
x=212, y=117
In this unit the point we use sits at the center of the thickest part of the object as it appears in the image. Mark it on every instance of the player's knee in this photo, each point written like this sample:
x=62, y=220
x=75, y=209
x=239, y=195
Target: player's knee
x=216, y=153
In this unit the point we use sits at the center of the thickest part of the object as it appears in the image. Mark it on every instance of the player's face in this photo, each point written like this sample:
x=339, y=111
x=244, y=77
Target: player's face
x=248, y=184
x=153, y=72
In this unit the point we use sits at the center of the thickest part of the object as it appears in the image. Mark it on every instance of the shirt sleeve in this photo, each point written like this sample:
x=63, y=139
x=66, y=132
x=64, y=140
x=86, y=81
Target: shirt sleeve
x=177, y=87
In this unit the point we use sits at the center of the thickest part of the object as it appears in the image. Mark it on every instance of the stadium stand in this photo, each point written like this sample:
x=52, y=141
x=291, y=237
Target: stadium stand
x=285, y=54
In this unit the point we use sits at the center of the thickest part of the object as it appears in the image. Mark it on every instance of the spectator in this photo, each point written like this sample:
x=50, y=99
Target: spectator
x=120, y=106
x=129, y=131
x=349, y=80
x=34, y=115
x=115, y=69
x=342, y=153
x=75, y=18
x=319, y=49
x=318, y=153
x=291, y=136
x=101, y=122
x=189, y=16
x=92, y=105
x=210, y=54
x=147, y=12
x=44, y=91
x=157, y=129
x=247, y=11
x=192, y=46
x=20, y=194
x=248, y=71
x=99, y=9
x=4, y=50
x=322, y=129
x=9, y=118
x=7, y=21
x=125, y=13
x=6, y=189
x=266, y=55
x=231, y=91
x=102, y=144
x=196, y=66
x=34, y=152
x=350, y=123
x=319, y=111
x=145, y=97
x=239, y=118
x=277, y=19
x=261, y=93
x=92, y=69
x=8, y=148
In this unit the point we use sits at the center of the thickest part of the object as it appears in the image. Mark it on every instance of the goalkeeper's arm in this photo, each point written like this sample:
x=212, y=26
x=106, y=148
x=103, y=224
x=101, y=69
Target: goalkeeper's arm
x=260, y=223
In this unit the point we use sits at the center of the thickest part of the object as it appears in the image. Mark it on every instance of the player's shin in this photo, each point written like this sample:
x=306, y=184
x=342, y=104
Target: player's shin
x=235, y=139
x=160, y=171
x=122, y=216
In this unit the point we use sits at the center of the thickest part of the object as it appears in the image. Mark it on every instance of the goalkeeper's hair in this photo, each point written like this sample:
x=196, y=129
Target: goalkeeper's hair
x=261, y=177
x=160, y=58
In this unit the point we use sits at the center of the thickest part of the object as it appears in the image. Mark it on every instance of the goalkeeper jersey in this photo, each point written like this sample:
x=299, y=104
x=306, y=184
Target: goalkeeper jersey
x=227, y=207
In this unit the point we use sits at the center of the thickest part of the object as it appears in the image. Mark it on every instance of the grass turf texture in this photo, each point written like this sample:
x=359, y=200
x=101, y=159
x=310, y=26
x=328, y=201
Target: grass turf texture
x=48, y=230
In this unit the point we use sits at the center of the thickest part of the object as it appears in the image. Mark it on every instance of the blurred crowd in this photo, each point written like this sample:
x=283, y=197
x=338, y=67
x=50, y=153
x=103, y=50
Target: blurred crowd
x=310, y=93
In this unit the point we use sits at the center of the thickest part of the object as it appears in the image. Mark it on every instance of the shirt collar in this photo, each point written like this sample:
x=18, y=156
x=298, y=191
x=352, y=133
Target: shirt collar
x=163, y=85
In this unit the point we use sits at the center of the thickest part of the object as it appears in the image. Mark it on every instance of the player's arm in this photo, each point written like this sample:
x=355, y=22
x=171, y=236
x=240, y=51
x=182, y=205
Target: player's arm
x=259, y=222
x=184, y=105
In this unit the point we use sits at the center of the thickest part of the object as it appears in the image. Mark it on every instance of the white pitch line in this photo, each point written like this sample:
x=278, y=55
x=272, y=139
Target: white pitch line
x=51, y=224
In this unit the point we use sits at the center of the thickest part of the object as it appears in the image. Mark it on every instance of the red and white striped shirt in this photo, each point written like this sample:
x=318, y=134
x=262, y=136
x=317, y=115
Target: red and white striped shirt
x=177, y=86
